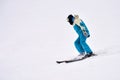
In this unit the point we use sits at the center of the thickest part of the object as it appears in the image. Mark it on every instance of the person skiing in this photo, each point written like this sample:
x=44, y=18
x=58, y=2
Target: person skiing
x=83, y=33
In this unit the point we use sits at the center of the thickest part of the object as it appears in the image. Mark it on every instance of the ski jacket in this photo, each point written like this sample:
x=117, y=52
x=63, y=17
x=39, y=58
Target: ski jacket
x=81, y=28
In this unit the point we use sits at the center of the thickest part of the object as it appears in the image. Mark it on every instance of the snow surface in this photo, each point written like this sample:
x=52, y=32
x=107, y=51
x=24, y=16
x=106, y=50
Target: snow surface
x=34, y=34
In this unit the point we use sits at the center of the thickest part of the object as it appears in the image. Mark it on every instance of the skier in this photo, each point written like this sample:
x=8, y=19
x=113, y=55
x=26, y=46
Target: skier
x=83, y=33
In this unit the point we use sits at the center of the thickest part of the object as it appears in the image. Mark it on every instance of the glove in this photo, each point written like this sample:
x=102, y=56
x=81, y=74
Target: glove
x=85, y=34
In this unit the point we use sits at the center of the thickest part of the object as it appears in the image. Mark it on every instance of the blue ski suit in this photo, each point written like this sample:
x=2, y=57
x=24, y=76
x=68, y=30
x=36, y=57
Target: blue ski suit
x=80, y=42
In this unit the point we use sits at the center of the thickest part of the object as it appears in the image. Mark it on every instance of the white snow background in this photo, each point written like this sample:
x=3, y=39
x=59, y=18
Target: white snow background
x=34, y=34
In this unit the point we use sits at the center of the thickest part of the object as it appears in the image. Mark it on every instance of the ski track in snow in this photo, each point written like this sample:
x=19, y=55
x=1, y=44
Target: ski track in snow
x=113, y=50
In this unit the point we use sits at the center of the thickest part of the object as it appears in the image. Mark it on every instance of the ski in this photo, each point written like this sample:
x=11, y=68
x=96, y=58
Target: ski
x=61, y=61
x=74, y=60
x=68, y=61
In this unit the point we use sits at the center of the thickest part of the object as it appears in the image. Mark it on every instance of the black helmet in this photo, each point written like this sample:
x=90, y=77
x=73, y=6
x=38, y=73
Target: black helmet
x=70, y=19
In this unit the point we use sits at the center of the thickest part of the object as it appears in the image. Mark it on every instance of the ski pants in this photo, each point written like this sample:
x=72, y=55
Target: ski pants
x=81, y=45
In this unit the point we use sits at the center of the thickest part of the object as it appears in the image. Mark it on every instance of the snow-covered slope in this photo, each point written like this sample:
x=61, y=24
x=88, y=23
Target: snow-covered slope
x=34, y=34
x=34, y=67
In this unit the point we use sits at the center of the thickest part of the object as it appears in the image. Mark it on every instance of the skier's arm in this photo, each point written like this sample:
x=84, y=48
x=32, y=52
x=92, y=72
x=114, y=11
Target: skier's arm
x=84, y=29
x=81, y=25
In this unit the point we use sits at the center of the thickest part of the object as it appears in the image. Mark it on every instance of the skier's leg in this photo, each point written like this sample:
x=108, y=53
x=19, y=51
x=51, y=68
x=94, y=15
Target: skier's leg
x=85, y=45
x=78, y=46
